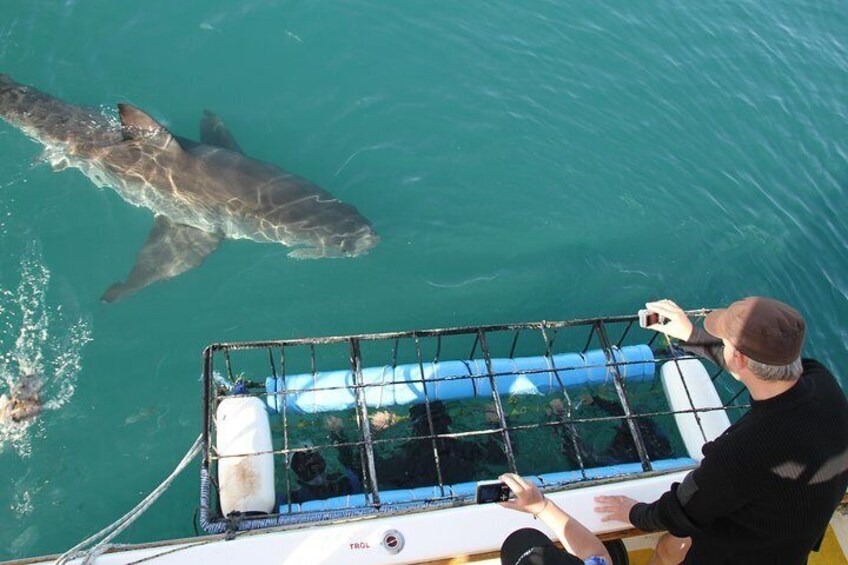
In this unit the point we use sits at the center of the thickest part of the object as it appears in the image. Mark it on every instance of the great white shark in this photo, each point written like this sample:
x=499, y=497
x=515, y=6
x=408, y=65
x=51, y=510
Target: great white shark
x=199, y=193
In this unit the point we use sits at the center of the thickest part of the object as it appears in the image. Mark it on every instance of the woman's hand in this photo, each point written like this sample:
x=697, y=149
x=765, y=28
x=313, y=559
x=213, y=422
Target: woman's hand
x=677, y=323
x=528, y=498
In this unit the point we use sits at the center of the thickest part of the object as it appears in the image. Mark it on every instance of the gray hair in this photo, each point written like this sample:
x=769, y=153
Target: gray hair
x=788, y=372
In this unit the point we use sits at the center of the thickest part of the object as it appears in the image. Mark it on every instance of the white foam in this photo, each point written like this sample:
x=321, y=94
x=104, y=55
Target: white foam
x=37, y=338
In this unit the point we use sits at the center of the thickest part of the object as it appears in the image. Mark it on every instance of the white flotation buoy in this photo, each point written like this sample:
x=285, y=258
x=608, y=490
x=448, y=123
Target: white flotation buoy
x=246, y=483
x=703, y=394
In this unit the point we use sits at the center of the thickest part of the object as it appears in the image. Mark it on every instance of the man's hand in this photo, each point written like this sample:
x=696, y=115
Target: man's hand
x=616, y=508
x=677, y=323
x=528, y=498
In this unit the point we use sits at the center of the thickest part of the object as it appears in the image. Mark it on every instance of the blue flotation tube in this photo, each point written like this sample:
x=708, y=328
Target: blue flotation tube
x=450, y=380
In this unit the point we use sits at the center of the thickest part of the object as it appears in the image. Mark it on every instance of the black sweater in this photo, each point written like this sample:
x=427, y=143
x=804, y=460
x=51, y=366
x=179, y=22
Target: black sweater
x=769, y=484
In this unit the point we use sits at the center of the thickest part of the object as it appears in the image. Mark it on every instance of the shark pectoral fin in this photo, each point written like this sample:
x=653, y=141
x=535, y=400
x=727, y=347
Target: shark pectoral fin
x=214, y=132
x=136, y=124
x=59, y=165
x=171, y=249
x=50, y=157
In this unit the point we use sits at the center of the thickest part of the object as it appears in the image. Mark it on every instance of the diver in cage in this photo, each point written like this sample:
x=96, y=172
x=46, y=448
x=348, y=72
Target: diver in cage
x=459, y=458
x=571, y=445
x=768, y=486
x=622, y=448
x=23, y=401
x=315, y=483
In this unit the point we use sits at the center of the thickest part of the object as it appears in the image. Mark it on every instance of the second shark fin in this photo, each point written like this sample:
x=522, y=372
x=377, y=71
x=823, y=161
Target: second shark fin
x=214, y=132
x=170, y=249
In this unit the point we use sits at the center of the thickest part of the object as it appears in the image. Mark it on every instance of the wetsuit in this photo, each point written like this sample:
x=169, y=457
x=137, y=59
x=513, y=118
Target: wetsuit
x=767, y=487
x=622, y=448
x=330, y=485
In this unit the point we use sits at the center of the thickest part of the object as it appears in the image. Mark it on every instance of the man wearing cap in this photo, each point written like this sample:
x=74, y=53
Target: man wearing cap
x=767, y=487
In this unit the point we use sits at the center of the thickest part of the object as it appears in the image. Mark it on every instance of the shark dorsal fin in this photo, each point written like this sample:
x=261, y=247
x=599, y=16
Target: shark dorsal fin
x=136, y=124
x=214, y=132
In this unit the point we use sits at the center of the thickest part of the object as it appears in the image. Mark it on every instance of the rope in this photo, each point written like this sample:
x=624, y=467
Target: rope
x=172, y=551
x=111, y=531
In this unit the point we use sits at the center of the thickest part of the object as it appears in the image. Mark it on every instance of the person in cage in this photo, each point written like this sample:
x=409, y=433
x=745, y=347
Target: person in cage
x=23, y=402
x=459, y=458
x=571, y=443
x=622, y=448
x=314, y=482
x=767, y=487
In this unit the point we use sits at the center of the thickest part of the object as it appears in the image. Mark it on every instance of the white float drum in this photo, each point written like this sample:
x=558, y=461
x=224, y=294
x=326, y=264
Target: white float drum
x=703, y=394
x=246, y=483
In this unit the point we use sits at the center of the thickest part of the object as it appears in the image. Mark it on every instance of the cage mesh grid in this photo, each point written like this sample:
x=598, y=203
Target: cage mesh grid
x=608, y=334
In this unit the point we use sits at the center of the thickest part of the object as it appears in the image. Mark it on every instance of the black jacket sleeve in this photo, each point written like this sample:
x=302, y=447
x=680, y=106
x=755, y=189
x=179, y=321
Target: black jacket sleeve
x=705, y=345
x=707, y=493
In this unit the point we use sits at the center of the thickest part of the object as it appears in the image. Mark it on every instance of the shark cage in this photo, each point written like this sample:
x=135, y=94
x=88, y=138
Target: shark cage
x=332, y=429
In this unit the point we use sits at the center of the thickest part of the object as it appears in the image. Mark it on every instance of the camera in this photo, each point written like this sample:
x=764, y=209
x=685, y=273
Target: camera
x=492, y=491
x=648, y=318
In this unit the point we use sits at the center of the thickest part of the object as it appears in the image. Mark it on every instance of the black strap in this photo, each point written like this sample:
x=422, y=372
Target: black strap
x=233, y=520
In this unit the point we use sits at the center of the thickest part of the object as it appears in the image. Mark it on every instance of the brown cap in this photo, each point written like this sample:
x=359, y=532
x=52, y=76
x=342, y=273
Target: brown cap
x=763, y=329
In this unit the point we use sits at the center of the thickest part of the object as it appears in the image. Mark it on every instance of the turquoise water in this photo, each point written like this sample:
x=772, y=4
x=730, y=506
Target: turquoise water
x=520, y=162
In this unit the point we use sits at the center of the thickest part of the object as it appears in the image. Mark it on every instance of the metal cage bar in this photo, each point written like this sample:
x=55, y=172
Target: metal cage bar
x=286, y=428
x=622, y=396
x=369, y=469
x=624, y=335
x=510, y=456
x=430, y=416
x=570, y=428
x=514, y=344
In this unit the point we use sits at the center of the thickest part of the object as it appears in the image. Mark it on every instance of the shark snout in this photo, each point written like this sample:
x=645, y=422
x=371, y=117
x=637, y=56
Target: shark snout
x=360, y=244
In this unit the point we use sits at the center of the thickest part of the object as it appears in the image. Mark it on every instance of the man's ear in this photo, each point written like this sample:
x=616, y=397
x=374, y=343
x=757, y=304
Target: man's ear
x=740, y=361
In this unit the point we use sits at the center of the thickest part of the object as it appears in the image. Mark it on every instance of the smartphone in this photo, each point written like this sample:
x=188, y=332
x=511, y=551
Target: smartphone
x=492, y=491
x=648, y=318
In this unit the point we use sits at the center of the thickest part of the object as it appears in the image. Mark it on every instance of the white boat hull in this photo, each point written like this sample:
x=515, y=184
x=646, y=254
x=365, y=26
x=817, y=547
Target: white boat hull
x=425, y=536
